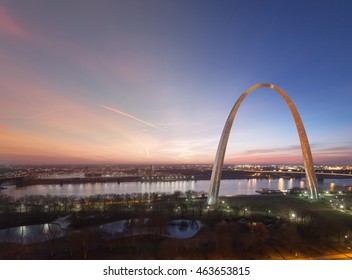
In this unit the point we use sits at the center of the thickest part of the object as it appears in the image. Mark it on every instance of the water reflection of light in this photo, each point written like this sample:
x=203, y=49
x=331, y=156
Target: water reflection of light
x=143, y=187
x=97, y=186
x=251, y=183
x=290, y=183
x=22, y=231
x=228, y=187
x=46, y=228
x=332, y=186
x=193, y=185
x=281, y=184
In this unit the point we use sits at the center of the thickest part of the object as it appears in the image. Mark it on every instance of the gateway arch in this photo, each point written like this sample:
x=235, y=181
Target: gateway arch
x=220, y=154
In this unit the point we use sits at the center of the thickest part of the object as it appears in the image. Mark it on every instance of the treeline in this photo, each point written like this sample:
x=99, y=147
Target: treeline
x=49, y=203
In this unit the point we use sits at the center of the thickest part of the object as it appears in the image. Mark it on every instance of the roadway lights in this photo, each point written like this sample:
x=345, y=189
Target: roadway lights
x=293, y=215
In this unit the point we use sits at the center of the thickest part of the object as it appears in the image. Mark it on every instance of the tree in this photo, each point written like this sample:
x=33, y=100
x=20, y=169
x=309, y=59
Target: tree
x=52, y=233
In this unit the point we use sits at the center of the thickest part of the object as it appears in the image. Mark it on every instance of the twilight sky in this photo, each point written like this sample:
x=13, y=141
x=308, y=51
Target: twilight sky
x=153, y=81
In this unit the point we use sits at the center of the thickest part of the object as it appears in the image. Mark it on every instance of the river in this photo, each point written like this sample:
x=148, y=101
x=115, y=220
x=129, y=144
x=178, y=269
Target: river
x=228, y=187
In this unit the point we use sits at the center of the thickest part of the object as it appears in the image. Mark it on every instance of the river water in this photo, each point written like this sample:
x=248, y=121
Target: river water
x=227, y=187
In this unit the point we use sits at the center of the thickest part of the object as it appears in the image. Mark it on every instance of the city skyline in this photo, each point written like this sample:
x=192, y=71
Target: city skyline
x=153, y=82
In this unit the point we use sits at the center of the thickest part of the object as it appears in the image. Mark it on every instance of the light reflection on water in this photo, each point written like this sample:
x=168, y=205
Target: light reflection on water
x=228, y=187
x=332, y=186
x=30, y=234
x=290, y=183
x=281, y=184
x=44, y=232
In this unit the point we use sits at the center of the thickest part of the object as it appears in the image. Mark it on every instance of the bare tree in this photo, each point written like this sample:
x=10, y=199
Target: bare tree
x=52, y=233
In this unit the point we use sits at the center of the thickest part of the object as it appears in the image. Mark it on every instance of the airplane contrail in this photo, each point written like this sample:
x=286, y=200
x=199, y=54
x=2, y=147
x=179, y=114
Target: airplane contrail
x=41, y=115
x=130, y=116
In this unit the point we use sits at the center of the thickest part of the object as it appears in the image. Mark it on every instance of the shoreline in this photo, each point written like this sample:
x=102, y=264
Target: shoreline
x=23, y=181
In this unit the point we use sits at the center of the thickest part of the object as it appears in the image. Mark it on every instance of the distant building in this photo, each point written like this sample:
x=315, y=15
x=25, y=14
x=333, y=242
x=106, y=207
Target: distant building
x=150, y=172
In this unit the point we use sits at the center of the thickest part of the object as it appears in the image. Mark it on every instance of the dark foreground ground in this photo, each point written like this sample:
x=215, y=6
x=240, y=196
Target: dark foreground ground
x=246, y=227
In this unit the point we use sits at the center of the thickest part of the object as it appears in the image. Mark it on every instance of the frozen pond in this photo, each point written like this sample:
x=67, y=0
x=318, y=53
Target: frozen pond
x=174, y=229
x=30, y=234
x=44, y=232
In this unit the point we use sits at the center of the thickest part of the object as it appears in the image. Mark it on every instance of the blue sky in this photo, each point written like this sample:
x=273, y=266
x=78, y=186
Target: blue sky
x=154, y=81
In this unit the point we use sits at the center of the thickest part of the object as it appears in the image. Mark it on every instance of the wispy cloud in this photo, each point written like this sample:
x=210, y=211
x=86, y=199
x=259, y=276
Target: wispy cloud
x=272, y=150
x=131, y=117
x=293, y=154
x=9, y=25
x=36, y=116
x=7, y=117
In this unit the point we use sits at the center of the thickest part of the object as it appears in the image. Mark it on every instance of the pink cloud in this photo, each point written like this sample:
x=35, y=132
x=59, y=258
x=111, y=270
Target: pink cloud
x=293, y=155
x=9, y=25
